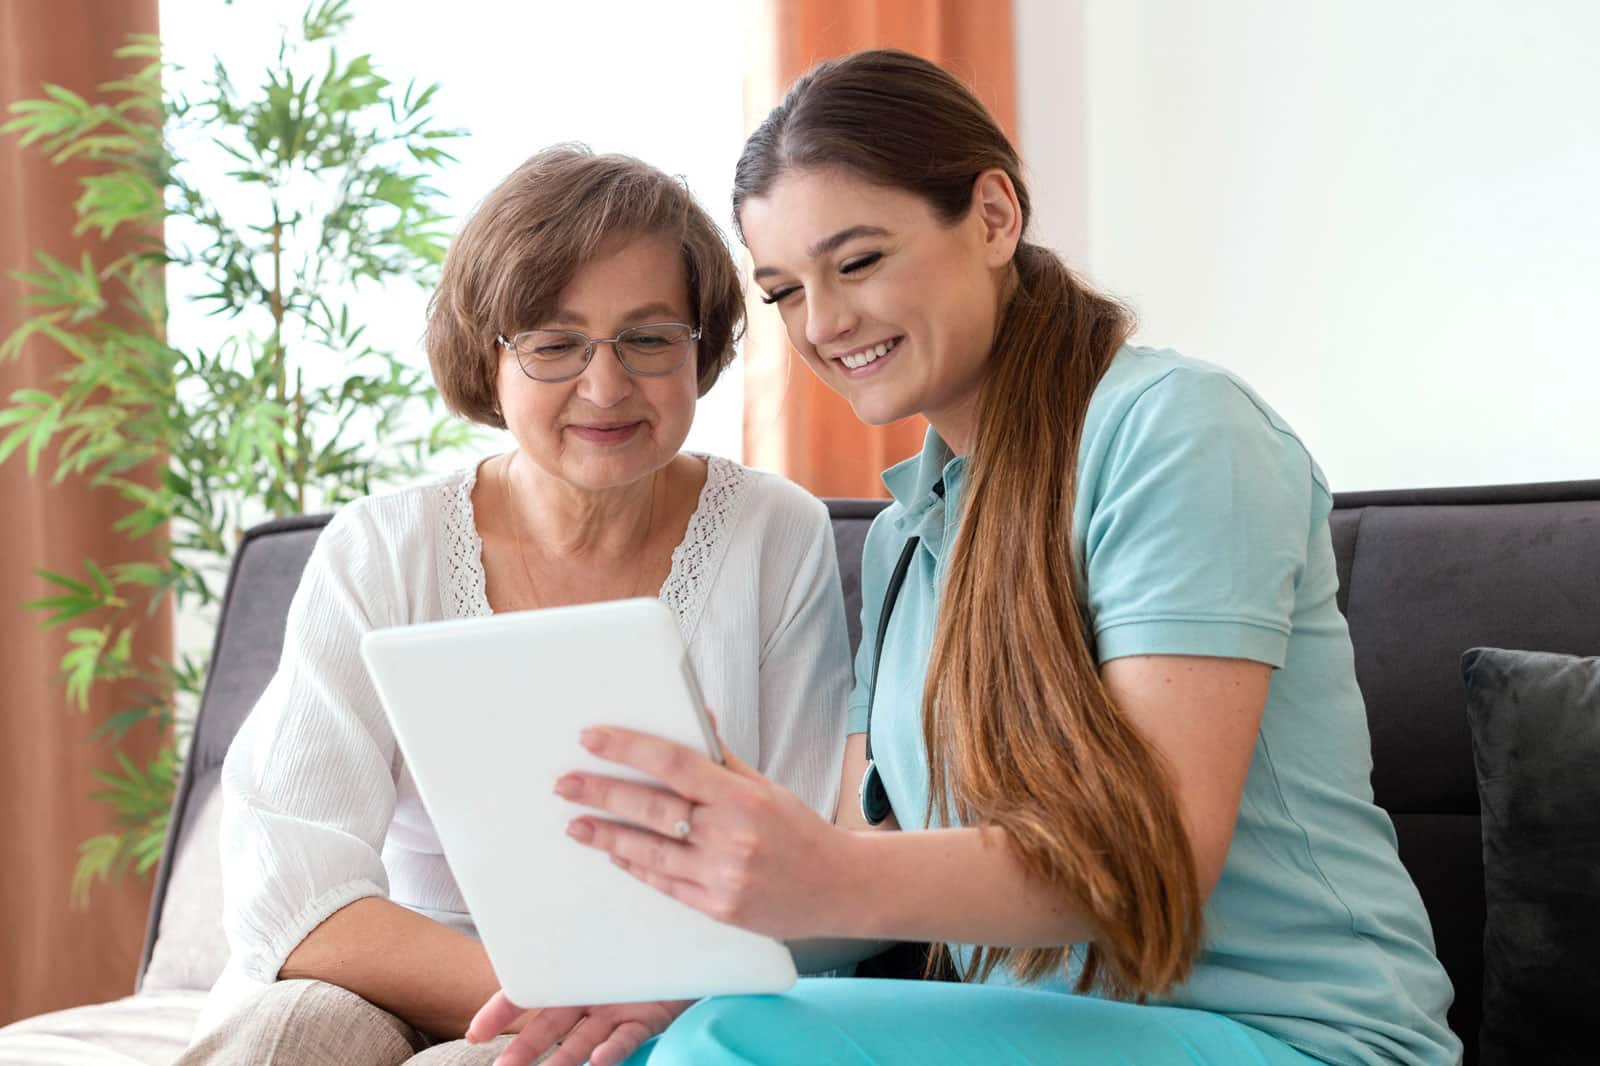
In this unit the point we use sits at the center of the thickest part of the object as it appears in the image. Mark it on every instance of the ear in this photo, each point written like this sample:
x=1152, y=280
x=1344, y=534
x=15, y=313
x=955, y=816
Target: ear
x=998, y=211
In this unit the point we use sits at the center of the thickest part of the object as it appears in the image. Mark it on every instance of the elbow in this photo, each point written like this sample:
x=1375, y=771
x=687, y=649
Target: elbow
x=273, y=944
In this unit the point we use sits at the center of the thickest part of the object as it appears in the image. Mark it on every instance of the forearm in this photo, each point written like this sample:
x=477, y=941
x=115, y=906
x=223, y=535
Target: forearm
x=962, y=886
x=425, y=973
x=819, y=954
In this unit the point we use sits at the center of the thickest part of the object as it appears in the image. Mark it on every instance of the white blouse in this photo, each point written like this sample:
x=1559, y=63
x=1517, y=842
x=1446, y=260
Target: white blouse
x=318, y=807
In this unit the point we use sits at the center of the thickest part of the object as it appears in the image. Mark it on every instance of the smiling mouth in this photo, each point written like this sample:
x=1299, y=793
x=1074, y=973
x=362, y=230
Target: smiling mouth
x=611, y=433
x=857, y=360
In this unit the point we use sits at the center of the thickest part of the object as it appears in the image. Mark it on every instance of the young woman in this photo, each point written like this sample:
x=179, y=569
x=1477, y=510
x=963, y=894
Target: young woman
x=1113, y=708
x=584, y=308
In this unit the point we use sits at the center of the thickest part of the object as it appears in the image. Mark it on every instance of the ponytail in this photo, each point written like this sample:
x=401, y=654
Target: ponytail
x=1031, y=742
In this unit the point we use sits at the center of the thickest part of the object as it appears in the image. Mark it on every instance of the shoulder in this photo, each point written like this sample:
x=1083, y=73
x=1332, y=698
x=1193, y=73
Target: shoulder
x=1144, y=383
x=773, y=531
x=1156, y=406
x=406, y=505
x=766, y=501
x=398, y=523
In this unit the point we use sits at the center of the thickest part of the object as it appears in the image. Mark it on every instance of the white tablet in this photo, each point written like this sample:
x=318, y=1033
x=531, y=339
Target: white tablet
x=487, y=712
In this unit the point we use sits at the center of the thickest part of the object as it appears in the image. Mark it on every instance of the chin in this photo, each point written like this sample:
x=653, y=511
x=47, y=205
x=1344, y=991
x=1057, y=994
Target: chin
x=591, y=471
x=879, y=411
x=597, y=468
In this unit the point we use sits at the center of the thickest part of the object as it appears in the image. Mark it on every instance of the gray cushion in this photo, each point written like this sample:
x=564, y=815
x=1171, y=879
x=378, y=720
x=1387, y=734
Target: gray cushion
x=851, y=520
x=266, y=572
x=191, y=950
x=1535, y=721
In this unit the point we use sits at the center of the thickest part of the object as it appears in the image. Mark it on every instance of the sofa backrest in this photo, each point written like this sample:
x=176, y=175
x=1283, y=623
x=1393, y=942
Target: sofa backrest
x=188, y=894
x=1423, y=576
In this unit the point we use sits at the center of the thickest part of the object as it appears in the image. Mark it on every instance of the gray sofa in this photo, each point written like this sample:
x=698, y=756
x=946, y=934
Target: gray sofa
x=1424, y=575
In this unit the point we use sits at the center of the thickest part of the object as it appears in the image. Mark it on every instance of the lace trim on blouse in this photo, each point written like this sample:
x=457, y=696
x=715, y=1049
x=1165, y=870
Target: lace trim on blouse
x=695, y=561
x=465, y=588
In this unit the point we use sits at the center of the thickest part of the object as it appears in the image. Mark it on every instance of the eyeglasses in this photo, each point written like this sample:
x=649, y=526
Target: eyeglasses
x=562, y=354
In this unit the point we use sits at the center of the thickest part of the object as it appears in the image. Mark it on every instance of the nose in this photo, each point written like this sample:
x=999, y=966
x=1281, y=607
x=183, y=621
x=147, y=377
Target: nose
x=827, y=318
x=604, y=382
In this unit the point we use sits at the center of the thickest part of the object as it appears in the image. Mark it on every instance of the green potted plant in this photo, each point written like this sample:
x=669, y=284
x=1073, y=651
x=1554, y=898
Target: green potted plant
x=327, y=198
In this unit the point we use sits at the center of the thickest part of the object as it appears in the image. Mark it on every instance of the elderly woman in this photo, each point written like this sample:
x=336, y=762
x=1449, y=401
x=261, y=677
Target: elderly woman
x=584, y=308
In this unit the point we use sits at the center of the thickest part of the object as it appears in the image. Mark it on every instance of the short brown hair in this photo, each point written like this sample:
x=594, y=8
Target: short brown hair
x=528, y=238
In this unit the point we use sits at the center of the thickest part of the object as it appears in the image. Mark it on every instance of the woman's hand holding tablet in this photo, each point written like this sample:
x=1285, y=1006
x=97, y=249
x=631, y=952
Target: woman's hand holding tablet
x=754, y=855
x=720, y=838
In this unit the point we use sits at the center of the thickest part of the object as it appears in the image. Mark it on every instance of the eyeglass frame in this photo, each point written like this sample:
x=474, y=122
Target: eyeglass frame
x=510, y=345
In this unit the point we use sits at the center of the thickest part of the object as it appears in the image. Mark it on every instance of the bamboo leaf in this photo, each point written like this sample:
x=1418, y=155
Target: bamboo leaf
x=96, y=858
x=147, y=574
x=117, y=726
x=13, y=440
x=43, y=429
x=140, y=46
x=66, y=96
x=63, y=581
x=81, y=664
x=63, y=609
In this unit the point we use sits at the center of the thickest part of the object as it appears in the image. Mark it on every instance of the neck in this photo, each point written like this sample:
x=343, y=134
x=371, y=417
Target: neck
x=957, y=424
x=568, y=522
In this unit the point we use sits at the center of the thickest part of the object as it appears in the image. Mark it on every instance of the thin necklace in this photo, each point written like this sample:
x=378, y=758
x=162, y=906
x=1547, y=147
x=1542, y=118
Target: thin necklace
x=522, y=553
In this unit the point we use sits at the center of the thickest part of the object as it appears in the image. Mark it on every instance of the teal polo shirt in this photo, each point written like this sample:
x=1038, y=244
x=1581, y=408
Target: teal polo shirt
x=1201, y=528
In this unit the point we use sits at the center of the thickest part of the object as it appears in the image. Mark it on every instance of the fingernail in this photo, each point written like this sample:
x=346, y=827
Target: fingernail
x=592, y=738
x=568, y=786
x=580, y=830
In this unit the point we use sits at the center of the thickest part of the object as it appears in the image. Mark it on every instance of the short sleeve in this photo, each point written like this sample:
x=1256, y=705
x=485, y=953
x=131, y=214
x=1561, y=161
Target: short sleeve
x=1199, y=525
x=308, y=786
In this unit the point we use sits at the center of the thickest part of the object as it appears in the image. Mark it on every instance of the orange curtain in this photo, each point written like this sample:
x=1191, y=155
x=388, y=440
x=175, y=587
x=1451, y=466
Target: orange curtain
x=53, y=956
x=793, y=424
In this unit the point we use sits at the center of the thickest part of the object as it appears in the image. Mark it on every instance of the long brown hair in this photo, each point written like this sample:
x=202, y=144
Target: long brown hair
x=532, y=234
x=1020, y=731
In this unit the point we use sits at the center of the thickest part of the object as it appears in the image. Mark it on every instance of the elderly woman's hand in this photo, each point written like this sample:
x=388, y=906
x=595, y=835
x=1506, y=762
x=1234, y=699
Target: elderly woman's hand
x=723, y=839
x=601, y=1036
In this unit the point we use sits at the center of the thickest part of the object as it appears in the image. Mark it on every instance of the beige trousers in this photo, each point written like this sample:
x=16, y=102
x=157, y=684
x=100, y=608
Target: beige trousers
x=312, y=1023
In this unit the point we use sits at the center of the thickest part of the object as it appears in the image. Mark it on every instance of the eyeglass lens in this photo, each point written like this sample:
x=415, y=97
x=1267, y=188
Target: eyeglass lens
x=555, y=354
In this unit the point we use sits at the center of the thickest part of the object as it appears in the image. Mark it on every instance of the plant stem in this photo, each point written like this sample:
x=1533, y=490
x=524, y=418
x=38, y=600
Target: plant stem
x=279, y=363
x=277, y=306
x=301, y=446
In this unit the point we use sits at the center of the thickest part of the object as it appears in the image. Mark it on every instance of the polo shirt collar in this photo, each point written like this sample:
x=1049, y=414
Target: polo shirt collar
x=914, y=484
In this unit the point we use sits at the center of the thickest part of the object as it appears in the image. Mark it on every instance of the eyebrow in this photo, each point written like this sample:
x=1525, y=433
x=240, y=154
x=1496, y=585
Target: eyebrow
x=828, y=244
x=650, y=312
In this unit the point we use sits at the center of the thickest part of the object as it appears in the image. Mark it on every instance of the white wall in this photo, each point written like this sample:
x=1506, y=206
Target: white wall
x=1381, y=215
